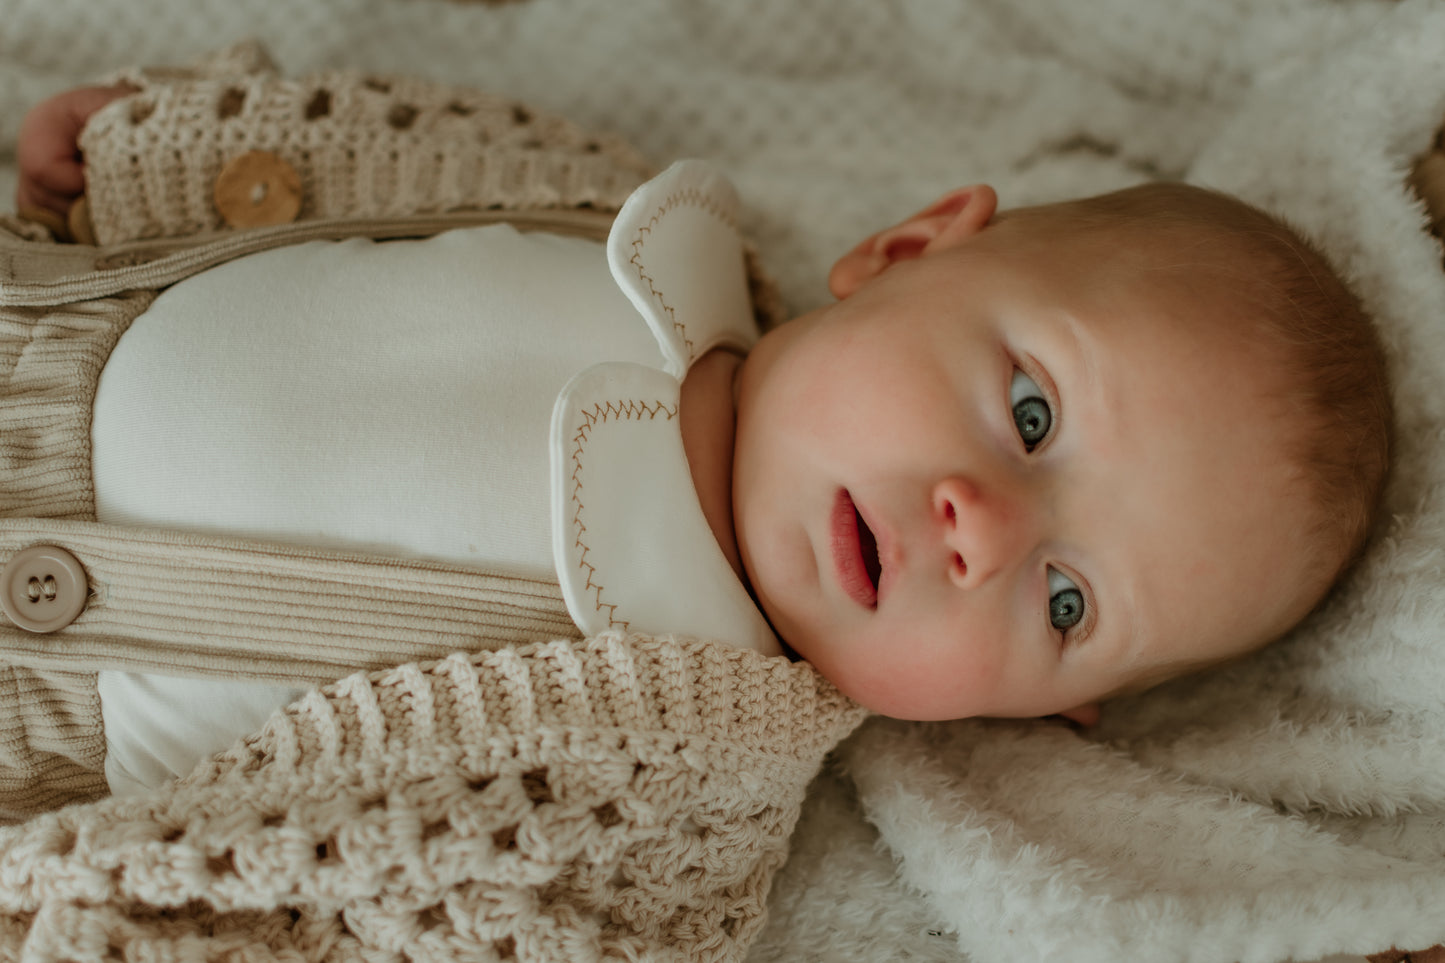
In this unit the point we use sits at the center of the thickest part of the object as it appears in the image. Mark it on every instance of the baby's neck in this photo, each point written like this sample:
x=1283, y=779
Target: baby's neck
x=708, y=412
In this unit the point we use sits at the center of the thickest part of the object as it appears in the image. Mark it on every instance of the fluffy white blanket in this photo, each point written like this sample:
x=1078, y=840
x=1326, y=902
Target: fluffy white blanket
x=1290, y=806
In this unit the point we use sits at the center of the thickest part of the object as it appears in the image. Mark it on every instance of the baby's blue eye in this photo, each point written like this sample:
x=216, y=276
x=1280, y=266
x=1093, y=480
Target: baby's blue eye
x=1032, y=416
x=1066, y=602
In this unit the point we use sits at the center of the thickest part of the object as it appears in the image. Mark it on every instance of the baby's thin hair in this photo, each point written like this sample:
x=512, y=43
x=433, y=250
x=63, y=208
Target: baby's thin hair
x=1332, y=372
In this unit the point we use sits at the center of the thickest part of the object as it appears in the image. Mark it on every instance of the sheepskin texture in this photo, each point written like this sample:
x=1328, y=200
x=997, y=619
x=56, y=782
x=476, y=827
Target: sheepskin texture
x=1289, y=806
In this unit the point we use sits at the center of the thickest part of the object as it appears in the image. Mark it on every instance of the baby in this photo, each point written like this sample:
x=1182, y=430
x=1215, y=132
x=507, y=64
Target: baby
x=1029, y=459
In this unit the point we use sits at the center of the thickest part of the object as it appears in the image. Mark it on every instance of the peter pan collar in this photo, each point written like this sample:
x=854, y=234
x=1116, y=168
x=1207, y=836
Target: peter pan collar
x=632, y=547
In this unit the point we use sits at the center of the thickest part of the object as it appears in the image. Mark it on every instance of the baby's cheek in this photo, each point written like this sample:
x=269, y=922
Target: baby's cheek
x=948, y=677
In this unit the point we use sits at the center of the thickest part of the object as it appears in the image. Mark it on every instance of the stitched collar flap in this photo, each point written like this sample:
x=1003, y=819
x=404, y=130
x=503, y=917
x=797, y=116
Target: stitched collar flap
x=632, y=546
x=676, y=253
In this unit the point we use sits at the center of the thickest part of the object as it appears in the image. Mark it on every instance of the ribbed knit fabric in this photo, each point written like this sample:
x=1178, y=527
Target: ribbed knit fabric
x=619, y=798
x=50, y=363
x=52, y=747
x=52, y=743
x=181, y=603
x=363, y=146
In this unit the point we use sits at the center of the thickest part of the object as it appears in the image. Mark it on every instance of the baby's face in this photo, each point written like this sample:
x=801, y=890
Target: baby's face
x=988, y=483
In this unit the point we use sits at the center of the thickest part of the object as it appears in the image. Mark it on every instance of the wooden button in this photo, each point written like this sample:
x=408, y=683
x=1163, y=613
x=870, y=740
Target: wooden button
x=258, y=189
x=78, y=221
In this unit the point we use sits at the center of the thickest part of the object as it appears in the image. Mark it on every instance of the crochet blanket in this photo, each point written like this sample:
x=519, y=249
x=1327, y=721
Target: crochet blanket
x=1289, y=806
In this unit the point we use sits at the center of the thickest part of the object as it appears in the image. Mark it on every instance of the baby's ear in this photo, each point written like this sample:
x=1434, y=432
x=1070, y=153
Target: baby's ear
x=947, y=222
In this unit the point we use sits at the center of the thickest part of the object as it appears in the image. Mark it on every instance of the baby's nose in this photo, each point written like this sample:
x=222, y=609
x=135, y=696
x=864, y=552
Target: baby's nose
x=984, y=531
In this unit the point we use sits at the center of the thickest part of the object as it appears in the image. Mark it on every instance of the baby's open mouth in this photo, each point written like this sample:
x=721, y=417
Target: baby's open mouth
x=855, y=552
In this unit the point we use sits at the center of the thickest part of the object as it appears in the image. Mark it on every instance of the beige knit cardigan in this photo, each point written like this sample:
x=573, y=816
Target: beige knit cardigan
x=618, y=797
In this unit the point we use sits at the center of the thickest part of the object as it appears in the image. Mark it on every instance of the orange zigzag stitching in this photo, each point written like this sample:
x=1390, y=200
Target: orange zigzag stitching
x=602, y=412
x=695, y=198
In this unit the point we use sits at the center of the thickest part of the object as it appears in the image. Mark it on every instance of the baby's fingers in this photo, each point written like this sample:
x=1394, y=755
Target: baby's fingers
x=48, y=153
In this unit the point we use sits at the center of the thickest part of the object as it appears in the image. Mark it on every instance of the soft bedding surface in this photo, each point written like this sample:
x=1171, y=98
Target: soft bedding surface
x=1292, y=805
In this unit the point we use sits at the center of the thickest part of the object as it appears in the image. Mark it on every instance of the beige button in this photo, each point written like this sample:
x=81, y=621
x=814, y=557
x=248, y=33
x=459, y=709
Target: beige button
x=258, y=189
x=43, y=588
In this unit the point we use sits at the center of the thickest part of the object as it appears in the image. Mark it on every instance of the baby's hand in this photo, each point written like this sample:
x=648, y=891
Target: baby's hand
x=48, y=152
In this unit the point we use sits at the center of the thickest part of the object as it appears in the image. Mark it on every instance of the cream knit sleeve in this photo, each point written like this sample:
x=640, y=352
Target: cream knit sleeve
x=359, y=147
x=619, y=798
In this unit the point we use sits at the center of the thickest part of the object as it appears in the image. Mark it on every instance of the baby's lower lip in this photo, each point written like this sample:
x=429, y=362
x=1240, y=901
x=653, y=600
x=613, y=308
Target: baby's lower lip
x=847, y=552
